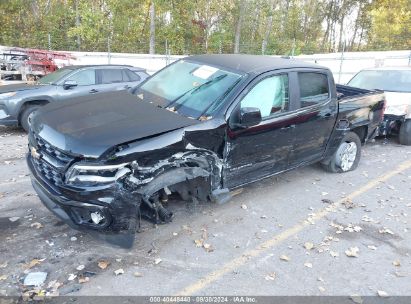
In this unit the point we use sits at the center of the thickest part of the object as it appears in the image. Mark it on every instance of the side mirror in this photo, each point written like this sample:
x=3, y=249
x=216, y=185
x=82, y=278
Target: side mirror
x=250, y=117
x=68, y=84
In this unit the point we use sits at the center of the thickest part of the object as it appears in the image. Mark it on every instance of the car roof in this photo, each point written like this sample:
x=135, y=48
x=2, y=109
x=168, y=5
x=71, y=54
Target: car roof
x=388, y=68
x=252, y=63
x=75, y=67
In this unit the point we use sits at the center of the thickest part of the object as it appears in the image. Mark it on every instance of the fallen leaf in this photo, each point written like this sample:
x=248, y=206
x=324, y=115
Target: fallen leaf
x=36, y=225
x=352, y=252
x=309, y=265
x=119, y=271
x=372, y=247
x=83, y=279
x=157, y=261
x=3, y=277
x=175, y=233
x=386, y=231
x=33, y=263
x=73, y=239
x=308, y=245
x=348, y=204
x=244, y=206
x=327, y=201
x=357, y=299
x=199, y=243
x=396, y=263
x=324, y=193
x=80, y=267
x=103, y=264
x=208, y=247
x=334, y=254
x=382, y=293
x=270, y=276
x=320, y=288
x=72, y=276
x=138, y=274
x=284, y=258
x=4, y=265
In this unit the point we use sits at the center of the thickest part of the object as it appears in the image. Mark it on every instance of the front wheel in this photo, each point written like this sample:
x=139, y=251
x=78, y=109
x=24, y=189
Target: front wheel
x=26, y=116
x=347, y=156
x=405, y=133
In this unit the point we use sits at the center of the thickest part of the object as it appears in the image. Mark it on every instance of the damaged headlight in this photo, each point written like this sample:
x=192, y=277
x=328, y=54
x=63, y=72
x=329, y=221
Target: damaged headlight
x=87, y=175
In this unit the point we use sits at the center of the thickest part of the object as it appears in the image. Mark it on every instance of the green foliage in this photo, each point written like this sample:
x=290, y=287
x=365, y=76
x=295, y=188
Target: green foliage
x=281, y=27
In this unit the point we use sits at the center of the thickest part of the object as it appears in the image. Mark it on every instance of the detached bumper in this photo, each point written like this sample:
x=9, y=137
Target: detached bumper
x=119, y=212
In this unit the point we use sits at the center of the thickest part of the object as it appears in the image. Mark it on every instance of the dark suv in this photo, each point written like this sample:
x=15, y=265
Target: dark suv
x=19, y=101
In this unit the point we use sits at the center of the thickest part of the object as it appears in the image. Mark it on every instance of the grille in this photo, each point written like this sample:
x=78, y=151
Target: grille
x=52, y=164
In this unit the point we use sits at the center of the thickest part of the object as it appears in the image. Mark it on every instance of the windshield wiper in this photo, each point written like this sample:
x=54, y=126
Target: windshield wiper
x=196, y=89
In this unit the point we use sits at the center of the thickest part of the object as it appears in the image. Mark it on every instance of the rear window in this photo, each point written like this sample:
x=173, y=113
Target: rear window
x=314, y=88
x=387, y=80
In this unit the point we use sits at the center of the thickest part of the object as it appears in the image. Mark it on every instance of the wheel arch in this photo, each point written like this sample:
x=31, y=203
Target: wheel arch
x=29, y=103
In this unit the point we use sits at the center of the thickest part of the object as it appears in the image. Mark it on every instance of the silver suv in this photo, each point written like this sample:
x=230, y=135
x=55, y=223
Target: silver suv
x=18, y=102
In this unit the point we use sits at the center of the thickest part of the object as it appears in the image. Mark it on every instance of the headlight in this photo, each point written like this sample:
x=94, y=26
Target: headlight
x=94, y=175
x=7, y=95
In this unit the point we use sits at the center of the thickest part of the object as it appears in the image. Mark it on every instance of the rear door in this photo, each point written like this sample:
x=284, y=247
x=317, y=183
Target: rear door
x=318, y=110
x=114, y=79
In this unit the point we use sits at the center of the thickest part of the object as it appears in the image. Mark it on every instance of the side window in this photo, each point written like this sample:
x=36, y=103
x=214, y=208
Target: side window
x=84, y=78
x=111, y=75
x=270, y=95
x=314, y=88
x=132, y=76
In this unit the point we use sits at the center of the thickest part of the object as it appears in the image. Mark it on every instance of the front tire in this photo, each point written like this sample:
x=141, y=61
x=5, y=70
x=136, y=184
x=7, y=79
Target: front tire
x=405, y=133
x=347, y=156
x=26, y=116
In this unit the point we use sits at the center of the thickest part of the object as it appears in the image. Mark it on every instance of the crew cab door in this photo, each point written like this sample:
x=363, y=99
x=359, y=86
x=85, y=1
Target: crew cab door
x=260, y=150
x=317, y=113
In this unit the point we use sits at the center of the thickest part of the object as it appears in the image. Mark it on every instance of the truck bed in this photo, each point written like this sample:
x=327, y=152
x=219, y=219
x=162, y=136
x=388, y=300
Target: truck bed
x=346, y=92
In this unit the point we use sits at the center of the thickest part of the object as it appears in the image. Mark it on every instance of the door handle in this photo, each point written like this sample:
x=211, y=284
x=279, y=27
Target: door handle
x=127, y=87
x=92, y=91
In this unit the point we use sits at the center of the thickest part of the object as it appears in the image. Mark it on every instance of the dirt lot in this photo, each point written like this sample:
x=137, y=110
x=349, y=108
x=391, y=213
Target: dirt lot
x=306, y=232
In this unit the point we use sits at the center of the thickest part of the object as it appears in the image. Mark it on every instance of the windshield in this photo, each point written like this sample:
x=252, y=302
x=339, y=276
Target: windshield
x=55, y=76
x=387, y=80
x=188, y=88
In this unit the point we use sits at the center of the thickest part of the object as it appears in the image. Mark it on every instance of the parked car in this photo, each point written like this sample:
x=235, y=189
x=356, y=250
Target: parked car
x=197, y=129
x=396, y=83
x=19, y=101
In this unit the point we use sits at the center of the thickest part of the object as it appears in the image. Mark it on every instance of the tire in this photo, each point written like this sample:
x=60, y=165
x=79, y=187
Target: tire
x=347, y=156
x=26, y=116
x=405, y=133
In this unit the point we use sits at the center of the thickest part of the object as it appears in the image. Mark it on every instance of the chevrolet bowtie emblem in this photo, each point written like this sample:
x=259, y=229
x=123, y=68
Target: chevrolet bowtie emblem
x=34, y=153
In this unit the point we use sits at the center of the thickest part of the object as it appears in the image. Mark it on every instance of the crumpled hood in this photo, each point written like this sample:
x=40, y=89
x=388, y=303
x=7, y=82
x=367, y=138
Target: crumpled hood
x=19, y=87
x=90, y=125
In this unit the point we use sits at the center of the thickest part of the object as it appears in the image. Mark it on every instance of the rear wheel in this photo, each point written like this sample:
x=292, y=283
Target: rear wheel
x=405, y=133
x=347, y=156
x=26, y=116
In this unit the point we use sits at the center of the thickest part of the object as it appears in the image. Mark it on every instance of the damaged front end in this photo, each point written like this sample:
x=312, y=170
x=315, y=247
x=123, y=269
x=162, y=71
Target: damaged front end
x=109, y=199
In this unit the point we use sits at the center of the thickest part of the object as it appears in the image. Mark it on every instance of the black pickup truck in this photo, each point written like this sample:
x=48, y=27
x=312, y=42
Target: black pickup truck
x=197, y=129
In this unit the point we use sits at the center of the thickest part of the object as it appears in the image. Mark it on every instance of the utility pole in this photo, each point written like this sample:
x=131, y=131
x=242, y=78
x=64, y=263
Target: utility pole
x=341, y=62
x=108, y=50
x=77, y=25
x=49, y=36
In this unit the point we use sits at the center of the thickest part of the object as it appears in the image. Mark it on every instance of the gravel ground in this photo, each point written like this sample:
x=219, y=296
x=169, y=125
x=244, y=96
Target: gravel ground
x=305, y=232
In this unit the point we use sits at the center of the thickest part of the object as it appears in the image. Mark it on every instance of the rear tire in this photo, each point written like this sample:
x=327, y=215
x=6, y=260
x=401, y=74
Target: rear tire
x=25, y=119
x=347, y=156
x=405, y=133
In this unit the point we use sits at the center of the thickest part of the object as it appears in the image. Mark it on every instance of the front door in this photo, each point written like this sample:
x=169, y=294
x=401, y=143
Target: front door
x=257, y=151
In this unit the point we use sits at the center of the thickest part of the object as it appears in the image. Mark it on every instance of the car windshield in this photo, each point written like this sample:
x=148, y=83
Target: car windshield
x=191, y=89
x=52, y=78
x=387, y=80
